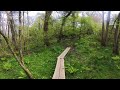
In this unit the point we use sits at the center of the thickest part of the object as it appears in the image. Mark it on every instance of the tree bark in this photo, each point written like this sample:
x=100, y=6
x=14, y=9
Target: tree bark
x=20, y=38
x=27, y=43
x=116, y=37
x=11, y=23
x=24, y=41
x=107, y=27
x=0, y=23
x=74, y=18
x=47, y=17
x=103, y=30
x=62, y=25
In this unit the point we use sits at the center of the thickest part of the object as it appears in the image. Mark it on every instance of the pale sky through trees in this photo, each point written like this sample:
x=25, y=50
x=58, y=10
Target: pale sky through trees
x=33, y=13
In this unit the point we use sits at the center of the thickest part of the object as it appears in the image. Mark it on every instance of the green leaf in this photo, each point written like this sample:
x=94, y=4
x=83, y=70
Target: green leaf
x=116, y=58
x=3, y=59
x=7, y=66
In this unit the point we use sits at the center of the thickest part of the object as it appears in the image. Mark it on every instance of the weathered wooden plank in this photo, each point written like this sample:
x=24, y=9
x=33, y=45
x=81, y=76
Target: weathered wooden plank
x=56, y=72
x=62, y=55
x=59, y=72
x=62, y=70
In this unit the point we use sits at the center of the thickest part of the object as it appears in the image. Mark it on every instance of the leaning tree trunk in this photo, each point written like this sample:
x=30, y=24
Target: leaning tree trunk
x=16, y=57
x=19, y=59
x=20, y=49
x=47, y=17
x=116, y=37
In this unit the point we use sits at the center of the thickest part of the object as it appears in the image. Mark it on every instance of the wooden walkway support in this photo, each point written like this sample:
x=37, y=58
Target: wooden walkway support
x=60, y=70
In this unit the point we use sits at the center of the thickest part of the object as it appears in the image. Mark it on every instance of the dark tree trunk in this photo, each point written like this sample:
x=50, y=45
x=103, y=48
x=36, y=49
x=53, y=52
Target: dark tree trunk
x=73, y=22
x=46, y=22
x=103, y=30
x=116, y=37
x=107, y=27
x=62, y=25
x=23, y=34
x=61, y=30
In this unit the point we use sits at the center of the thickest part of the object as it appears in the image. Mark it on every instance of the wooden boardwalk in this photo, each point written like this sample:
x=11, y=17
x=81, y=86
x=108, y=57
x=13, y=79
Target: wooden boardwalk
x=60, y=70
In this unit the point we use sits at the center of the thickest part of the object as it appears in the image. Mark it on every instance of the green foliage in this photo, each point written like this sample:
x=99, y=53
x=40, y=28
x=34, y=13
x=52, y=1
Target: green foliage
x=87, y=23
x=71, y=69
x=3, y=59
x=57, y=49
x=7, y=66
x=85, y=68
x=116, y=58
x=22, y=75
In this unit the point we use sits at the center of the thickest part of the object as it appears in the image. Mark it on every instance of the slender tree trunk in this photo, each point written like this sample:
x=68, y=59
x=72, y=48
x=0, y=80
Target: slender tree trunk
x=8, y=28
x=46, y=22
x=62, y=25
x=74, y=18
x=103, y=30
x=24, y=41
x=27, y=43
x=107, y=27
x=12, y=28
x=116, y=37
x=0, y=24
x=61, y=30
x=20, y=38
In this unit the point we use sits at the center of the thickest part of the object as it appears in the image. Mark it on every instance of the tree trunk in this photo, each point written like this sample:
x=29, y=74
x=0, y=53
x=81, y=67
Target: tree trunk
x=107, y=27
x=8, y=30
x=47, y=17
x=62, y=25
x=0, y=24
x=11, y=23
x=103, y=30
x=20, y=38
x=73, y=22
x=61, y=30
x=27, y=30
x=116, y=37
x=16, y=57
x=23, y=33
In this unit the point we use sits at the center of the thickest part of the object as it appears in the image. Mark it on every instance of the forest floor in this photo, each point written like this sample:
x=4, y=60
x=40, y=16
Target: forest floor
x=86, y=60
